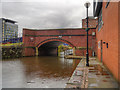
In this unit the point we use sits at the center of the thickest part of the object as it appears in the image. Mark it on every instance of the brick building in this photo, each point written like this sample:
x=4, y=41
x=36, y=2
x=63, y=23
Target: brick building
x=92, y=22
x=108, y=35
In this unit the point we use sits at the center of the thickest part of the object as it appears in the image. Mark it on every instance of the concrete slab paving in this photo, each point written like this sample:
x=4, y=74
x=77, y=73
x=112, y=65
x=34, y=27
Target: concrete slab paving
x=94, y=76
x=100, y=77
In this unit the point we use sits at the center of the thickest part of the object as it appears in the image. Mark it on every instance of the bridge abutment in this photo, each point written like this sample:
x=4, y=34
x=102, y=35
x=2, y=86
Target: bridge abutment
x=36, y=49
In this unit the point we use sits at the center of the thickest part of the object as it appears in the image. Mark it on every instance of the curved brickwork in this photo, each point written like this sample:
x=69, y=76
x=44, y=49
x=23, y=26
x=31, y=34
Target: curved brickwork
x=74, y=37
x=55, y=39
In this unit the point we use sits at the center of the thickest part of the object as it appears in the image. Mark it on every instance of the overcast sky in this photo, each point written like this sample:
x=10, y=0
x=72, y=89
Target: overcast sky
x=44, y=14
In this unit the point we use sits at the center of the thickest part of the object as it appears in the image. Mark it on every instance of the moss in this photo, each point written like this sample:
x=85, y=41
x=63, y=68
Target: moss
x=11, y=52
x=81, y=48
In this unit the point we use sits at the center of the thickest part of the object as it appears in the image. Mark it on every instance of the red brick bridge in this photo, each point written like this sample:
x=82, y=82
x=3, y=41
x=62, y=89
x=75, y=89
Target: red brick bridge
x=46, y=41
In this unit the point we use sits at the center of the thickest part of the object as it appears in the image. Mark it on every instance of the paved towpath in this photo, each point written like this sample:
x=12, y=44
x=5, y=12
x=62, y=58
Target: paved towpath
x=94, y=76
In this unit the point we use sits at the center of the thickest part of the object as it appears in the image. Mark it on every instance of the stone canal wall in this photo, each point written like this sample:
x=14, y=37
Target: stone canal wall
x=11, y=52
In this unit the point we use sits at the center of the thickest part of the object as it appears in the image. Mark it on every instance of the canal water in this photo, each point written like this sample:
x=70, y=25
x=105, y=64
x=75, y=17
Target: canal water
x=37, y=72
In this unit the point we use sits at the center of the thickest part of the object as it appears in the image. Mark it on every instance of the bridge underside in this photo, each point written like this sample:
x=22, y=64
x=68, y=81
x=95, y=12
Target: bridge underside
x=49, y=48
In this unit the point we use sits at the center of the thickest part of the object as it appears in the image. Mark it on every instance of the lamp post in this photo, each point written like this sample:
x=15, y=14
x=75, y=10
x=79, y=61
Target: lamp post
x=87, y=5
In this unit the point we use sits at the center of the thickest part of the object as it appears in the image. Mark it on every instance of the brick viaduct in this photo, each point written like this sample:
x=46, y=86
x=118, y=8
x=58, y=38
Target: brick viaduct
x=75, y=37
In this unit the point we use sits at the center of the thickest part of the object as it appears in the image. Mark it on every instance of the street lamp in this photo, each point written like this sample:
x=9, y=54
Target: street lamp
x=87, y=5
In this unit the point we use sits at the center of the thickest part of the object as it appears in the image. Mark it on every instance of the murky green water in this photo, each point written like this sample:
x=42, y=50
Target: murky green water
x=37, y=72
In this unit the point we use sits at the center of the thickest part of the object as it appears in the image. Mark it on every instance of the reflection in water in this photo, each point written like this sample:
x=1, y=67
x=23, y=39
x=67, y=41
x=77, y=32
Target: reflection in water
x=37, y=72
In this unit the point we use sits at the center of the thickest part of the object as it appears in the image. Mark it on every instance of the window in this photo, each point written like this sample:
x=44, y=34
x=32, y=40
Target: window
x=100, y=22
x=108, y=1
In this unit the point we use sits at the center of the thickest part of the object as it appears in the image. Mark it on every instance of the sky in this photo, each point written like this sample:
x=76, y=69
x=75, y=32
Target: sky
x=45, y=14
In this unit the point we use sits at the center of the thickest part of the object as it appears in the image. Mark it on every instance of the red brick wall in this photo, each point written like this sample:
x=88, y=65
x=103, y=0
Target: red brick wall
x=29, y=52
x=119, y=42
x=83, y=52
x=76, y=41
x=91, y=23
x=109, y=34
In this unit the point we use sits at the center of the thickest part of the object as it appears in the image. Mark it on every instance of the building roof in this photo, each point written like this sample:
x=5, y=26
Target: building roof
x=56, y=29
x=90, y=17
x=8, y=20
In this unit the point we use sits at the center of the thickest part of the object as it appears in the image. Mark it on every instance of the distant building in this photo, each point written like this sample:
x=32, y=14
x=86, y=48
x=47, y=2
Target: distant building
x=9, y=29
x=92, y=22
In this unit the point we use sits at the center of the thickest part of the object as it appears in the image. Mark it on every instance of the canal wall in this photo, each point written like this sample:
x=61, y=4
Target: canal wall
x=11, y=52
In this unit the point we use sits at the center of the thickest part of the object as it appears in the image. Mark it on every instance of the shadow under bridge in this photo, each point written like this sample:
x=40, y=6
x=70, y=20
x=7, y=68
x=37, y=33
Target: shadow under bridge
x=49, y=48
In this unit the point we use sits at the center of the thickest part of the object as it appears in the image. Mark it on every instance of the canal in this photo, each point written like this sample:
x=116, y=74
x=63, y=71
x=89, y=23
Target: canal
x=37, y=72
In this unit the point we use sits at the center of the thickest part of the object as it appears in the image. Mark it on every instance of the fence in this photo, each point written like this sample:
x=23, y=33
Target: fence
x=13, y=40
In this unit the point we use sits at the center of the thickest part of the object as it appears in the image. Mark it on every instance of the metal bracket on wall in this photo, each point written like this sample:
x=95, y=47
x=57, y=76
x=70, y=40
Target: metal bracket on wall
x=87, y=29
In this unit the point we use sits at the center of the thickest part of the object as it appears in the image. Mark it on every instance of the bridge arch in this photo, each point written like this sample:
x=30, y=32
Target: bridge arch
x=48, y=47
x=55, y=39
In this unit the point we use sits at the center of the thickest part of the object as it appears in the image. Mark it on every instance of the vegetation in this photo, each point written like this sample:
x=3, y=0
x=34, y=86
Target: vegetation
x=11, y=50
x=11, y=44
x=81, y=48
x=62, y=48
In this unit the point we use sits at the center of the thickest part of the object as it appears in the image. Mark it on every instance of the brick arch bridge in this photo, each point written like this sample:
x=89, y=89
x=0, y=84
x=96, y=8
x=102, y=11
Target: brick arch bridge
x=55, y=39
x=75, y=37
